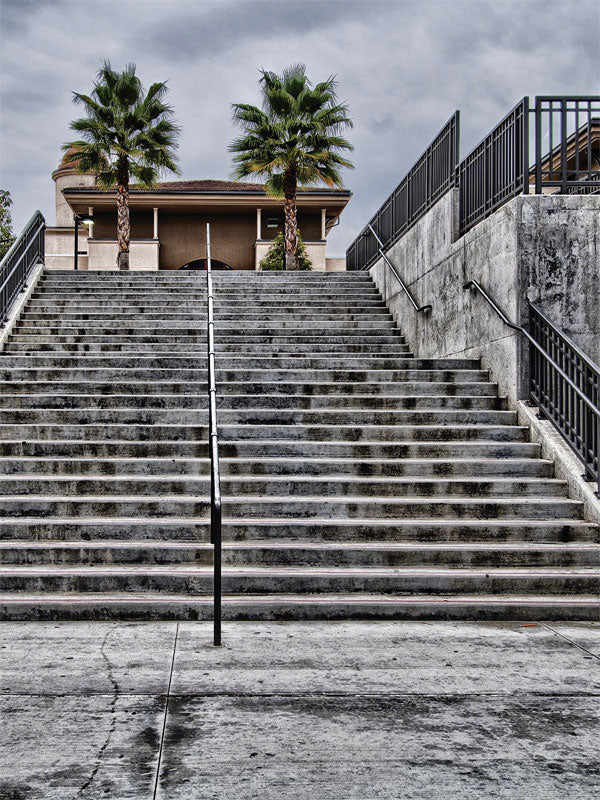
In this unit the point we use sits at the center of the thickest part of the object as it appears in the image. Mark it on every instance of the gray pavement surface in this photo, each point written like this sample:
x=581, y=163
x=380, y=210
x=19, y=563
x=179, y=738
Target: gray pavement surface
x=331, y=711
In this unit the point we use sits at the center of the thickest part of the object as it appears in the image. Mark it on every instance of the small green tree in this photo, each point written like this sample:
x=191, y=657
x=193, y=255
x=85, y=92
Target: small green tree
x=275, y=258
x=7, y=236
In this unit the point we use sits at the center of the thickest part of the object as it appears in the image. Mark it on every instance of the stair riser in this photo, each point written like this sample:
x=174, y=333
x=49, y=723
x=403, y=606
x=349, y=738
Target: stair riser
x=245, y=402
x=190, y=416
x=298, y=557
x=284, y=487
x=299, y=466
x=275, y=583
x=195, y=348
x=290, y=610
x=359, y=531
x=327, y=508
x=39, y=337
x=256, y=449
x=299, y=433
x=251, y=389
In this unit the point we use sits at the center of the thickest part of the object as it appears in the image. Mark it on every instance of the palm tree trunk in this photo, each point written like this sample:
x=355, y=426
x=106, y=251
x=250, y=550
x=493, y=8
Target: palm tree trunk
x=123, y=226
x=291, y=220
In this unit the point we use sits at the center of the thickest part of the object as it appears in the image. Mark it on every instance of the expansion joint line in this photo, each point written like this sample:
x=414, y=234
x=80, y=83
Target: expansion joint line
x=164, y=726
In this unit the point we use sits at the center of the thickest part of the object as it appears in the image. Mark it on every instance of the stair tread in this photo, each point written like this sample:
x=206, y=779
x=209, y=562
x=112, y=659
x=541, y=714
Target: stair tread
x=199, y=569
x=321, y=598
x=294, y=544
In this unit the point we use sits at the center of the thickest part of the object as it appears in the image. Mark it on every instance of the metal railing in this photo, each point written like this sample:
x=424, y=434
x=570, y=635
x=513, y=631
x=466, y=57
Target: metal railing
x=564, y=383
x=428, y=179
x=496, y=170
x=213, y=446
x=381, y=251
x=571, y=403
x=24, y=254
x=567, y=144
x=567, y=160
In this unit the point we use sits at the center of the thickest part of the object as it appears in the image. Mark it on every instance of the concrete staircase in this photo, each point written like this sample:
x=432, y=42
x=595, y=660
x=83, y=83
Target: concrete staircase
x=358, y=481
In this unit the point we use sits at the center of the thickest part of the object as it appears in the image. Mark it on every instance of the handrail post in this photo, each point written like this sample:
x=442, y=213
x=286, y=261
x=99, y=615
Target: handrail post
x=213, y=446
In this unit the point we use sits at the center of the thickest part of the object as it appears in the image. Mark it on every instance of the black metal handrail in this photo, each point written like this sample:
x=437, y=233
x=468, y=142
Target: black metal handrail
x=25, y=252
x=213, y=446
x=415, y=305
x=573, y=409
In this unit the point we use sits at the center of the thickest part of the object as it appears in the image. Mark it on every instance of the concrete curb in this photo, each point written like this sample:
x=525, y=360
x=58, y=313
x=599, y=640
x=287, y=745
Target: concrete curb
x=567, y=466
x=19, y=304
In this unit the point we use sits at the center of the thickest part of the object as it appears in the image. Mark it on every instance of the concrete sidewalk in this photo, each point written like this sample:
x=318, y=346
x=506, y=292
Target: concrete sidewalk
x=330, y=711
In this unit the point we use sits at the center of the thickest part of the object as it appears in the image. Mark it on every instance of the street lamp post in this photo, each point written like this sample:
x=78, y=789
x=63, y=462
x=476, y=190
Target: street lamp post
x=86, y=219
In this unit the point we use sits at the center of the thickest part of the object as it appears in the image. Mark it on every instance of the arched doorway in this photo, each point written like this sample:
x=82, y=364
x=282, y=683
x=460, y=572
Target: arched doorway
x=200, y=263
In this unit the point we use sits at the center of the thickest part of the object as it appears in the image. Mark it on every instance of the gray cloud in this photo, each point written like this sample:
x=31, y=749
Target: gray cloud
x=403, y=66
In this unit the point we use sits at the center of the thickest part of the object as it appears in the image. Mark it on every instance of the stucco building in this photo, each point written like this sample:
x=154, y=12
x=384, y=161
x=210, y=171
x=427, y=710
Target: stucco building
x=168, y=223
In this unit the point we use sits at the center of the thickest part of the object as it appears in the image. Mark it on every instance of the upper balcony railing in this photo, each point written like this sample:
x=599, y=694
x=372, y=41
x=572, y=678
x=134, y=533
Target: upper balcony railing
x=428, y=179
x=566, y=132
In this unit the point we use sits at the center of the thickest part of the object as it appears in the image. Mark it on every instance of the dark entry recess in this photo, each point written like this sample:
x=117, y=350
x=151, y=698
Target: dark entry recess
x=200, y=263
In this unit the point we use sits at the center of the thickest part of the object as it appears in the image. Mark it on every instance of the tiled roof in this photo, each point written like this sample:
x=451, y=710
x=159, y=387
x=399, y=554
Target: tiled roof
x=225, y=186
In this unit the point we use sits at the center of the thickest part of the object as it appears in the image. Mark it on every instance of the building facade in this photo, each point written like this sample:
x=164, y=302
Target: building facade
x=168, y=223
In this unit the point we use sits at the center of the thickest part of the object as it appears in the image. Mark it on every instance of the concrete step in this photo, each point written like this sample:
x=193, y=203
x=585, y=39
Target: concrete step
x=339, y=507
x=182, y=349
x=150, y=606
x=397, y=581
x=256, y=401
x=376, y=467
x=374, y=343
x=301, y=554
x=279, y=389
x=318, y=529
x=272, y=448
x=185, y=376
x=288, y=486
x=255, y=416
x=299, y=432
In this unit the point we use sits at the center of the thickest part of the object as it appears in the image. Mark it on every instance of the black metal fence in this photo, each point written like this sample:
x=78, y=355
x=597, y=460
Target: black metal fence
x=497, y=169
x=567, y=144
x=567, y=160
x=24, y=254
x=430, y=177
x=566, y=387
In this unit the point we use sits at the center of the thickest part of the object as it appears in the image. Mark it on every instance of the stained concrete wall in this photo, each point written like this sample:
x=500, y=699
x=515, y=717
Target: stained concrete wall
x=546, y=246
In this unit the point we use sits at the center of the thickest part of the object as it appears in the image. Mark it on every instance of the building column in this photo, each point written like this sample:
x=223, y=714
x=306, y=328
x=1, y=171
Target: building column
x=91, y=225
x=258, y=222
x=155, y=234
x=323, y=223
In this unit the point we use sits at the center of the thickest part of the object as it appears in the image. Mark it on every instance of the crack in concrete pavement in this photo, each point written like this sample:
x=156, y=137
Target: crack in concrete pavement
x=113, y=716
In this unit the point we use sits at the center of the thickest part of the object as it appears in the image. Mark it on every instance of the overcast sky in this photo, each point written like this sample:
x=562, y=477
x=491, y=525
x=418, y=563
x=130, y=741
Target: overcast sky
x=402, y=66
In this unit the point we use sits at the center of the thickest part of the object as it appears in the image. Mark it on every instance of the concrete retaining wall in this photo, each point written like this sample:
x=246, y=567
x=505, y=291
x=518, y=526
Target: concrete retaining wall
x=546, y=246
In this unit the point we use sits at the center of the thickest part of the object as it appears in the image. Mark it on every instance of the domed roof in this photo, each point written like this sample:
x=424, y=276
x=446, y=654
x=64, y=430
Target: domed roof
x=67, y=166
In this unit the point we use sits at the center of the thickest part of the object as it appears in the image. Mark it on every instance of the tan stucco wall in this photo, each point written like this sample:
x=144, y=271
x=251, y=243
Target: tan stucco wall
x=64, y=214
x=59, y=245
x=143, y=256
x=335, y=264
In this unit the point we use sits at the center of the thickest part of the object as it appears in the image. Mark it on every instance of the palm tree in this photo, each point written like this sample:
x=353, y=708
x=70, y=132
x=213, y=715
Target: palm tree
x=293, y=141
x=126, y=133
